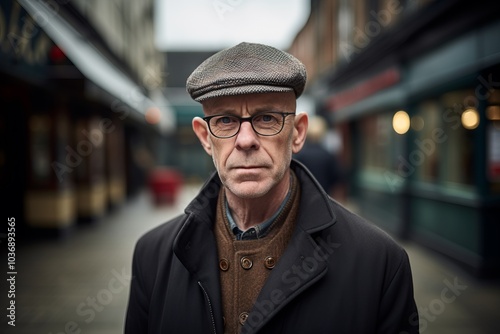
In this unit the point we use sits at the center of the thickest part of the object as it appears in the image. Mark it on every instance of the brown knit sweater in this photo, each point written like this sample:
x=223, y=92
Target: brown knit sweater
x=245, y=264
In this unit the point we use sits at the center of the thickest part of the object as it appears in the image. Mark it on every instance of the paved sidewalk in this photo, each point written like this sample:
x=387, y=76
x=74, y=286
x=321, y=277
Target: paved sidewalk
x=82, y=281
x=449, y=299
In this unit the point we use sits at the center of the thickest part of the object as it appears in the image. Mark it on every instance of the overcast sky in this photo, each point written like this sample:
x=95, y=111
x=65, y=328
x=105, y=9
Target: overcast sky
x=187, y=25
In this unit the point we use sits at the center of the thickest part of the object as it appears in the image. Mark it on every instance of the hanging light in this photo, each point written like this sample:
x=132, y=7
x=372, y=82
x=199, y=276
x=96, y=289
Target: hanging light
x=401, y=122
x=470, y=119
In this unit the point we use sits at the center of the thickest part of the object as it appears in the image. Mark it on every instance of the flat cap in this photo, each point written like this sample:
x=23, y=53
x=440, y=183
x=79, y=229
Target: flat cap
x=244, y=69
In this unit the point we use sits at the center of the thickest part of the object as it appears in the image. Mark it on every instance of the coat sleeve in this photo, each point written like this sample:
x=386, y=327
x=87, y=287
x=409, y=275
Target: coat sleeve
x=138, y=306
x=398, y=312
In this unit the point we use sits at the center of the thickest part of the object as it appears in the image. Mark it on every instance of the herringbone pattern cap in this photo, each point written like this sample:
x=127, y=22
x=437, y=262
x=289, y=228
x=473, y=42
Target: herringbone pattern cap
x=244, y=69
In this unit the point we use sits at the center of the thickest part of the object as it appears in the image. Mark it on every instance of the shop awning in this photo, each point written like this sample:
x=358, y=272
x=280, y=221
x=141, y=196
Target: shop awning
x=97, y=68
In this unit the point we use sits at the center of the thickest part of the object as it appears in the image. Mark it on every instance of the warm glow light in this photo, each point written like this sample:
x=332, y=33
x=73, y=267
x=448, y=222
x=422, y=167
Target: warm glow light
x=153, y=115
x=470, y=119
x=401, y=122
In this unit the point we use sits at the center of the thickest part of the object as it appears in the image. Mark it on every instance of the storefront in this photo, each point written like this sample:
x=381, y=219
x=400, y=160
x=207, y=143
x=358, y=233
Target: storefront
x=71, y=122
x=423, y=130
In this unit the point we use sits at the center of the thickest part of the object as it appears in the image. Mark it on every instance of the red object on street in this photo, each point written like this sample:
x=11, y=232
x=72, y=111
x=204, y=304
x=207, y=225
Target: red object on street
x=165, y=184
x=56, y=54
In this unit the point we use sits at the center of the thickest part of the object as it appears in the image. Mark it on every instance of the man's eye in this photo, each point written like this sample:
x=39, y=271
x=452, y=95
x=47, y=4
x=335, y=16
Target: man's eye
x=266, y=118
x=224, y=120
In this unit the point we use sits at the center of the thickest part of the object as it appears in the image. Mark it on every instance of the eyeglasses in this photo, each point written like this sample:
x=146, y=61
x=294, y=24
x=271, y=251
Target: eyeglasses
x=268, y=123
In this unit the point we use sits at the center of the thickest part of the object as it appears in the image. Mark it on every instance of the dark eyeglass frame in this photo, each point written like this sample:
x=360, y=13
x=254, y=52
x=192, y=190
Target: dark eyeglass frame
x=248, y=119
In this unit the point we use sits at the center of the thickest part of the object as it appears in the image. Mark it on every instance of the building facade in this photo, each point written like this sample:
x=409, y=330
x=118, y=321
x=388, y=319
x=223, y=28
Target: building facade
x=414, y=89
x=83, y=111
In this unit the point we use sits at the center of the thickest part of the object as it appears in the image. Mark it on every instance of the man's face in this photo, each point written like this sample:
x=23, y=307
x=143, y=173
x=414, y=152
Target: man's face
x=250, y=165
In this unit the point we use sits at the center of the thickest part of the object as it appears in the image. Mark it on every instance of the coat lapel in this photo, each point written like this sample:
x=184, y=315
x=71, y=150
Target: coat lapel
x=296, y=271
x=196, y=249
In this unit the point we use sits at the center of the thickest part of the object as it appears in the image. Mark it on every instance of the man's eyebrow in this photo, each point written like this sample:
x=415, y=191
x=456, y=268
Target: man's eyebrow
x=216, y=110
x=224, y=111
x=229, y=111
x=268, y=108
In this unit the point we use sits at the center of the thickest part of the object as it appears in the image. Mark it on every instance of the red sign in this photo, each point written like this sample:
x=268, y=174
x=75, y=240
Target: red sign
x=364, y=89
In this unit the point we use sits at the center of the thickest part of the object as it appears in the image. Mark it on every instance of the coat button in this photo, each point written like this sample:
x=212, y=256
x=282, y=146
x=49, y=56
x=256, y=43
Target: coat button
x=224, y=264
x=269, y=262
x=243, y=317
x=246, y=263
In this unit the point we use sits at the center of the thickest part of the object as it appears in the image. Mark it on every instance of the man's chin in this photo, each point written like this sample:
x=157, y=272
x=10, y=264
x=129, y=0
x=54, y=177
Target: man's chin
x=248, y=190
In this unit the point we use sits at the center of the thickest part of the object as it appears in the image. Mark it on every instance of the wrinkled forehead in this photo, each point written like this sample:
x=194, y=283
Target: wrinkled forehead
x=283, y=101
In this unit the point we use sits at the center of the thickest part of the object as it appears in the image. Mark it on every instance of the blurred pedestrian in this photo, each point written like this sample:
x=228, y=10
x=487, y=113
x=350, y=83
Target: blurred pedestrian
x=261, y=248
x=322, y=163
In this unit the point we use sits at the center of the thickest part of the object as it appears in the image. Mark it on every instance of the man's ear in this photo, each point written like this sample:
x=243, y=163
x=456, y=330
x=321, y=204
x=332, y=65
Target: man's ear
x=299, y=131
x=200, y=128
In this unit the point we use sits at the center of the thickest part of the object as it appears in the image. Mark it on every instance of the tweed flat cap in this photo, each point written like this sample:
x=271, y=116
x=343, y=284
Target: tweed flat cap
x=244, y=69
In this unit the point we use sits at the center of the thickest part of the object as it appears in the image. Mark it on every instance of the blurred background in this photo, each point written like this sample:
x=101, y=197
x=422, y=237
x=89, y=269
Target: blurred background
x=97, y=148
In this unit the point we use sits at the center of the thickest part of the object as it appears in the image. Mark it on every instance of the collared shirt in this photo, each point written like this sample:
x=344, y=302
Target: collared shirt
x=260, y=230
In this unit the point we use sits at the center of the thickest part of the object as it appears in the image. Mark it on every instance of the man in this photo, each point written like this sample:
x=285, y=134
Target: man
x=321, y=163
x=262, y=248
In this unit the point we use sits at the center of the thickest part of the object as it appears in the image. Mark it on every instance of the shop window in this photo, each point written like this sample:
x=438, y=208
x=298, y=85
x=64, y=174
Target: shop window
x=380, y=145
x=460, y=119
x=425, y=156
x=40, y=149
x=444, y=138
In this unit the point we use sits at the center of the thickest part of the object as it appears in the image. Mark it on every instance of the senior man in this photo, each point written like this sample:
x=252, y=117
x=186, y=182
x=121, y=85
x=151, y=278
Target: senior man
x=262, y=248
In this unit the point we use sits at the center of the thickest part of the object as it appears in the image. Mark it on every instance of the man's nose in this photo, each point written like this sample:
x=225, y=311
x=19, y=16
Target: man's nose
x=247, y=138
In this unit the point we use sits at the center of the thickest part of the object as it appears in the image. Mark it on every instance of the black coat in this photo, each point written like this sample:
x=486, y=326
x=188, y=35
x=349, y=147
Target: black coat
x=339, y=274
